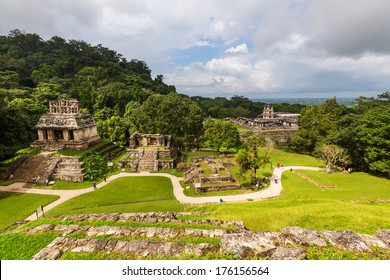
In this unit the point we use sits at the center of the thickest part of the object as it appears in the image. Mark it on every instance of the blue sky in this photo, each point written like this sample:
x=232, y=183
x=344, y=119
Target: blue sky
x=255, y=48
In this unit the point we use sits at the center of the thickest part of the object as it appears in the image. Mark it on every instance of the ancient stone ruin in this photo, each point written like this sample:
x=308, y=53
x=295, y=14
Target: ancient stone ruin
x=150, y=152
x=276, y=125
x=219, y=178
x=163, y=235
x=65, y=127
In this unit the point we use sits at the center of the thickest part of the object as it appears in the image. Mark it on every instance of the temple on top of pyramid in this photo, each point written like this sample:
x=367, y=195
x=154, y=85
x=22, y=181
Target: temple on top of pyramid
x=65, y=127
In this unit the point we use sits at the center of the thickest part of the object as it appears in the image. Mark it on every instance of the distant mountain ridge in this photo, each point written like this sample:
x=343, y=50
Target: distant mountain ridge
x=347, y=101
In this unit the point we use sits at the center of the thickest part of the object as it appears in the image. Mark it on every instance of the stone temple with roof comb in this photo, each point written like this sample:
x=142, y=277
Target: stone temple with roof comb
x=65, y=127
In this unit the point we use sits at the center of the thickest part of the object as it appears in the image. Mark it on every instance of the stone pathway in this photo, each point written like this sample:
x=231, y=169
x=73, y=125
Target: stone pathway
x=273, y=190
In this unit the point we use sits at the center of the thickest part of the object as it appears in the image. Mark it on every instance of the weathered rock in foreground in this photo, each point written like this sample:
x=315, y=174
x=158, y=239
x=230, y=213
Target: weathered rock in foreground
x=384, y=234
x=136, y=248
x=159, y=241
x=302, y=236
x=346, y=239
x=246, y=245
x=288, y=254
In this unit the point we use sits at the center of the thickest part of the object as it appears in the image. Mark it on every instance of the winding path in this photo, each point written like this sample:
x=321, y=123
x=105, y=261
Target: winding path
x=273, y=190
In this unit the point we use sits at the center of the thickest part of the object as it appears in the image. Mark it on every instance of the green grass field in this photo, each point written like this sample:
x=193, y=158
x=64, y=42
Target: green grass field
x=18, y=246
x=128, y=194
x=18, y=206
x=306, y=205
x=358, y=202
x=65, y=185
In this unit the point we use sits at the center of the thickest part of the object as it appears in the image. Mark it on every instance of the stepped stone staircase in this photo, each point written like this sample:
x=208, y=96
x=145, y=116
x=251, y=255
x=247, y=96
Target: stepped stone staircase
x=148, y=161
x=44, y=167
x=69, y=169
x=40, y=166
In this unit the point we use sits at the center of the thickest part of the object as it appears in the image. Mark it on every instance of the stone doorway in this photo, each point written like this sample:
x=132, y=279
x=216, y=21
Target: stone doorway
x=70, y=135
x=58, y=135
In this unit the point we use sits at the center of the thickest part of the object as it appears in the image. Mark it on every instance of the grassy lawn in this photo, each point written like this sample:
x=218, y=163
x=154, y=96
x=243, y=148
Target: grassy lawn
x=189, y=155
x=129, y=194
x=356, y=186
x=18, y=246
x=290, y=159
x=306, y=205
x=6, y=182
x=18, y=206
x=65, y=185
x=206, y=169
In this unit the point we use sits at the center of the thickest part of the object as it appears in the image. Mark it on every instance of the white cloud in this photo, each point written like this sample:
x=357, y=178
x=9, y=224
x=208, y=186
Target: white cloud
x=292, y=44
x=114, y=23
x=305, y=45
x=243, y=48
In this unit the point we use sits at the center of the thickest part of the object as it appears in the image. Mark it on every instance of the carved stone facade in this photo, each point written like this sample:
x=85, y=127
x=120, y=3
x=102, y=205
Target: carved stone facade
x=65, y=127
x=268, y=112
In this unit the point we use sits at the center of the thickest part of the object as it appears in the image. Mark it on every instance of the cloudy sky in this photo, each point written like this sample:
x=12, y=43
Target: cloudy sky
x=255, y=48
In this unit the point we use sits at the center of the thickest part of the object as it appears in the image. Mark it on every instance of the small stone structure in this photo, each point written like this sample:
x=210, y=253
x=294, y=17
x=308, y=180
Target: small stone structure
x=150, y=140
x=65, y=127
x=220, y=179
x=150, y=152
x=276, y=125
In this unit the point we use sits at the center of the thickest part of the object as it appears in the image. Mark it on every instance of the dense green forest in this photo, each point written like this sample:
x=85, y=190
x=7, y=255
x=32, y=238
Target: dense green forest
x=363, y=132
x=33, y=71
x=124, y=98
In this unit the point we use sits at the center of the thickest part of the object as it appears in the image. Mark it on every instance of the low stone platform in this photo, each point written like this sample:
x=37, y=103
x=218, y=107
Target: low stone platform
x=171, y=237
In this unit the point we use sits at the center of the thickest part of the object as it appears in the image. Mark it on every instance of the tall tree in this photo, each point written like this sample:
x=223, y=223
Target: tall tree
x=249, y=158
x=332, y=155
x=316, y=122
x=221, y=133
x=373, y=134
x=167, y=114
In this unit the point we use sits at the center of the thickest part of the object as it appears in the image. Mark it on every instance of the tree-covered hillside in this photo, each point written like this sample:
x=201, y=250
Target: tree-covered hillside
x=363, y=132
x=33, y=71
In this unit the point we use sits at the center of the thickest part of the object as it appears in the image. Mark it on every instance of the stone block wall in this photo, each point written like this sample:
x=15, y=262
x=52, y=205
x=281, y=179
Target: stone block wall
x=69, y=169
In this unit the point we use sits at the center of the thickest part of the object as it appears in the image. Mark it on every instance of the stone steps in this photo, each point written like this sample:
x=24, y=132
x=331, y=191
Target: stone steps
x=41, y=166
x=136, y=248
x=69, y=169
x=148, y=161
x=171, y=237
x=128, y=232
x=151, y=218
